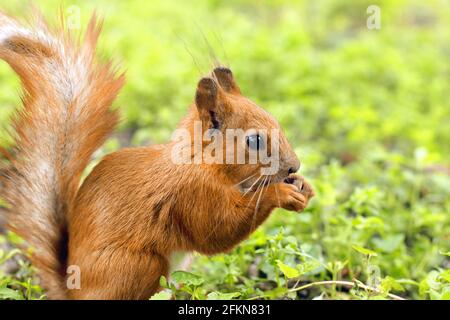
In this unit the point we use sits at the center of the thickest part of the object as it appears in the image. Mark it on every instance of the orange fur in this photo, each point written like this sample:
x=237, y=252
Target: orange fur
x=137, y=206
x=65, y=118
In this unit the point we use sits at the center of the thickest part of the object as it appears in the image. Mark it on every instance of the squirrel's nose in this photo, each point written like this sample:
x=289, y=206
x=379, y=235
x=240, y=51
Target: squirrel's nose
x=294, y=168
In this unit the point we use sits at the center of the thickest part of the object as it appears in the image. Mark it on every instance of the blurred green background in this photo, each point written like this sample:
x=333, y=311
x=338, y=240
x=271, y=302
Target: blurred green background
x=367, y=111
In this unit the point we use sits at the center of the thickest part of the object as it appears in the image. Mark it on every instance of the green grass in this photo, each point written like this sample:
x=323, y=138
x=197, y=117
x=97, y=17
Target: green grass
x=367, y=112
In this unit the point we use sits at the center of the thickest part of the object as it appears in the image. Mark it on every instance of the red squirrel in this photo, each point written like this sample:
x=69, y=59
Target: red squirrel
x=120, y=225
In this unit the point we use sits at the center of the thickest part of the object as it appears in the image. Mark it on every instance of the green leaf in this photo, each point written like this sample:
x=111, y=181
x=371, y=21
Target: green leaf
x=364, y=251
x=222, y=296
x=7, y=293
x=14, y=238
x=445, y=275
x=307, y=267
x=445, y=295
x=389, y=283
x=162, y=295
x=163, y=282
x=288, y=271
x=390, y=243
x=183, y=277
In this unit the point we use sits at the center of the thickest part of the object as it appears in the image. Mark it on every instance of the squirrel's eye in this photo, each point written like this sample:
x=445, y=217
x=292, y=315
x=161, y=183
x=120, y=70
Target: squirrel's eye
x=255, y=142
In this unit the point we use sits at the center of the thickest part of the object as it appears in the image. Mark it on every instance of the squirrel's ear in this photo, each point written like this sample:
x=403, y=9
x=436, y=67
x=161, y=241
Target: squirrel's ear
x=226, y=80
x=208, y=102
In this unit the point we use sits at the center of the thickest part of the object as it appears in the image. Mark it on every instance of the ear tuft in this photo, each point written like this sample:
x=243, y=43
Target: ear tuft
x=226, y=79
x=210, y=103
x=207, y=85
x=206, y=95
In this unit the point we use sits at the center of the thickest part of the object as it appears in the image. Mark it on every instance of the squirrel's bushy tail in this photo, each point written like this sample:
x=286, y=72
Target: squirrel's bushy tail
x=65, y=117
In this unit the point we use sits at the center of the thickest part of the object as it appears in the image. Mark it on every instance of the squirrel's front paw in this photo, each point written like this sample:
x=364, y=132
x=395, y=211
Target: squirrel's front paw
x=302, y=185
x=288, y=196
x=293, y=194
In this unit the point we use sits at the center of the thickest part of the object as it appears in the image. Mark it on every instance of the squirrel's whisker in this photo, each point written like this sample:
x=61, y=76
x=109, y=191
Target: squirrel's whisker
x=278, y=196
x=221, y=218
x=237, y=184
x=258, y=200
x=254, y=194
x=250, y=188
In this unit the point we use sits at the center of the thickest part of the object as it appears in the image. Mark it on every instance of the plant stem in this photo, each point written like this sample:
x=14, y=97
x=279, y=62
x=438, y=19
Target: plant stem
x=341, y=283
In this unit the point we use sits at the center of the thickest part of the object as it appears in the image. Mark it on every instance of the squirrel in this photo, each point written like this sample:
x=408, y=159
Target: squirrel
x=120, y=225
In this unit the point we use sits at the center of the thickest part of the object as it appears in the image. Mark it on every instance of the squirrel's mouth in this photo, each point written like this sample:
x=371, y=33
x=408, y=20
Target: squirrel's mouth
x=289, y=180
